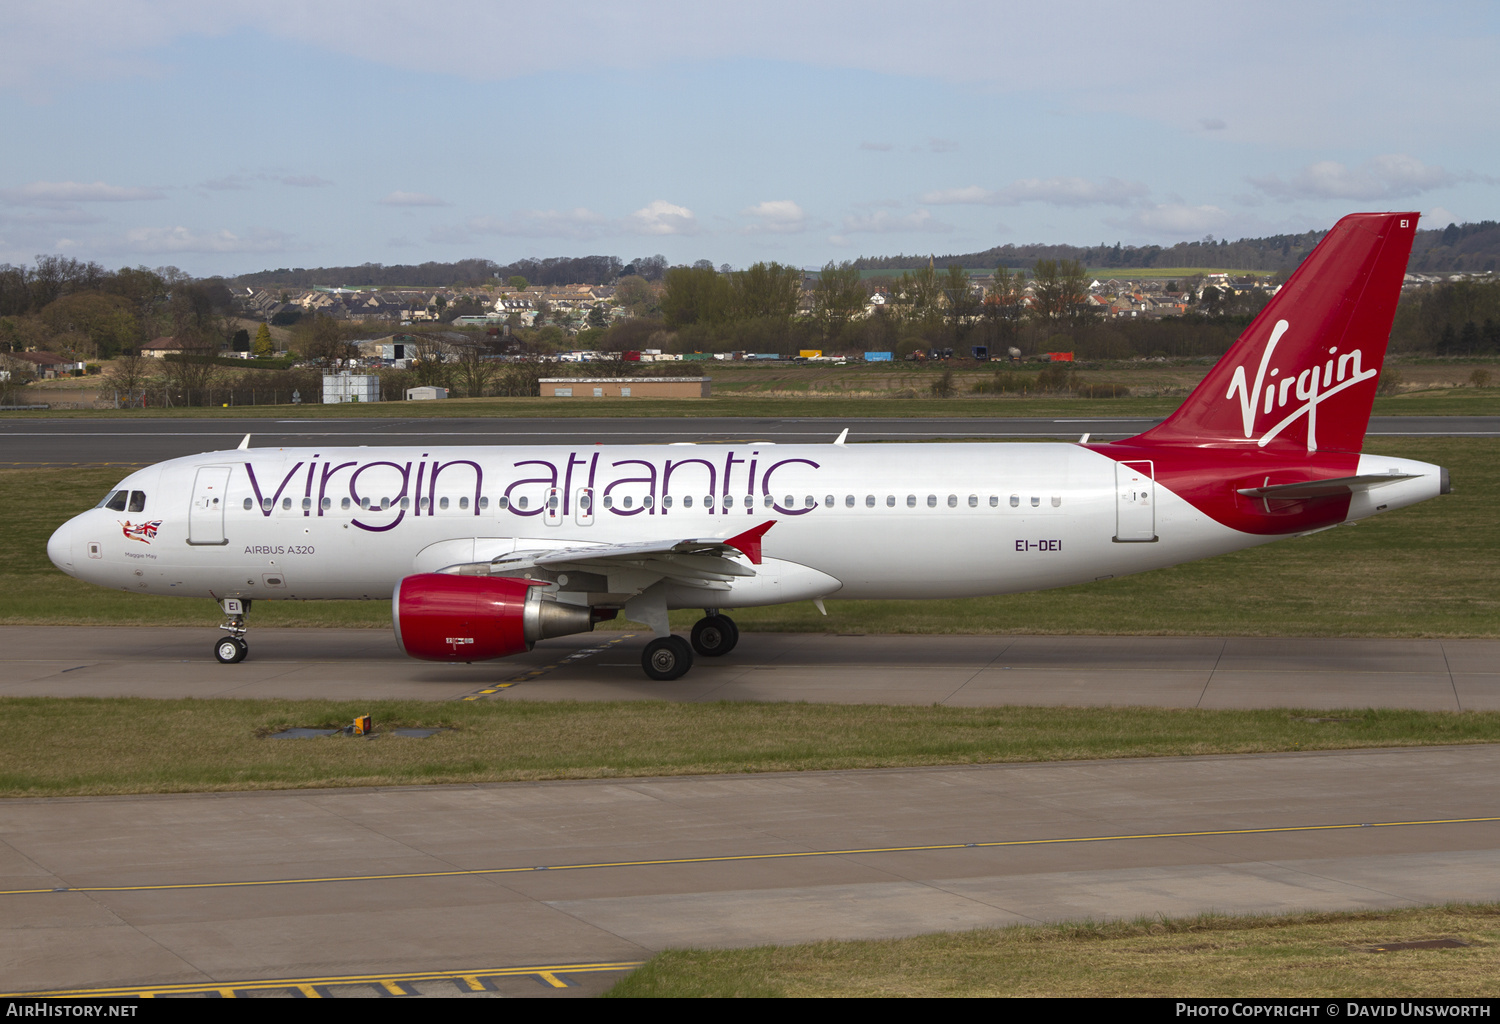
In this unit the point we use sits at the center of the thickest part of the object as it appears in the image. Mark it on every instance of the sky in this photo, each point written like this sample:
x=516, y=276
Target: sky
x=230, y=137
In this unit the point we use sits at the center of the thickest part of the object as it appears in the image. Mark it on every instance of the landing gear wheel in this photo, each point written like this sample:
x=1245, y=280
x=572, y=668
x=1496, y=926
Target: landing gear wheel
x=230, y=649
x=715, y=635
x=667, y=658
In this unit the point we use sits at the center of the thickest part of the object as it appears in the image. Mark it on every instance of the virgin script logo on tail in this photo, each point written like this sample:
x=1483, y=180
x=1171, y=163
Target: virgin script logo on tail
x=1311, y=386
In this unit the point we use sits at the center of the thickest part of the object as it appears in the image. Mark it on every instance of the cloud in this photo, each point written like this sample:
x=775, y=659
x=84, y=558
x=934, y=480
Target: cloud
x=1178, y=219
x=660, y=217
x=578, y=224
x=939, y=146
x=877, y=147
x=412, y=199
x=51, y=193
x=1051, y=191
x=304, y=181
x=1438, y=217
x=776, y=217
x=181, y=239
x=230, y=183
x=1392, y=176
x=884, y=222
x=1212, y=124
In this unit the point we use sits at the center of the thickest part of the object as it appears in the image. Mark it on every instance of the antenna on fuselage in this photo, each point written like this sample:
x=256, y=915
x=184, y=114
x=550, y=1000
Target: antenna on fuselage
x=245, y=444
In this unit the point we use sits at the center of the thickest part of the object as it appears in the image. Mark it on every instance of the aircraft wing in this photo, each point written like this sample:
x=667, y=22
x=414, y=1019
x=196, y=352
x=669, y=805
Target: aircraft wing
x=707, y=562
x=1324, y=488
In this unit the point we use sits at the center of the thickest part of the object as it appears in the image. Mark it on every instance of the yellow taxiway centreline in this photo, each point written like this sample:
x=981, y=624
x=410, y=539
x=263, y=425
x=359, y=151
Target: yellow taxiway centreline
x=726, y=858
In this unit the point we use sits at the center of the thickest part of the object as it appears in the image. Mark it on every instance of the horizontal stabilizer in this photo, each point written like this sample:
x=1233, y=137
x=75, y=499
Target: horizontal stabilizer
x=1325, y=488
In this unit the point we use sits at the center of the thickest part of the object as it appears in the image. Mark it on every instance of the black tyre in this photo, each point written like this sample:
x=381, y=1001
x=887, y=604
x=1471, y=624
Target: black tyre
x=227, y=651
x=244, y=647
x=715, y=635
x=667, y=658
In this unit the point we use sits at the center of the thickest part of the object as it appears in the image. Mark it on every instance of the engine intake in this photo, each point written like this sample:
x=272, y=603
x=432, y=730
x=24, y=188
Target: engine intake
x=441, y=617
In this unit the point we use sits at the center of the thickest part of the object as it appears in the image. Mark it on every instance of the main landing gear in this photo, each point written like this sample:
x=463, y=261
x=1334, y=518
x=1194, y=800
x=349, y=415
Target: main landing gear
x=232, y=649
x=669, y=657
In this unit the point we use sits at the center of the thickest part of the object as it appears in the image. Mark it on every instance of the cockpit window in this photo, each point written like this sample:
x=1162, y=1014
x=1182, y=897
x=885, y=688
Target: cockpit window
x=115, y=501
x=137, y=501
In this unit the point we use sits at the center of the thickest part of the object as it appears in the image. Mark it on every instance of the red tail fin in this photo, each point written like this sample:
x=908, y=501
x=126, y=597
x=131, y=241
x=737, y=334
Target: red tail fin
x=1302, y=377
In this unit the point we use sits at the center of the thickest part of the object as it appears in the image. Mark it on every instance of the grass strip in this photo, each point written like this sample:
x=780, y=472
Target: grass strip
x=97, y=746
x=1432, y=570
x=1302, y=956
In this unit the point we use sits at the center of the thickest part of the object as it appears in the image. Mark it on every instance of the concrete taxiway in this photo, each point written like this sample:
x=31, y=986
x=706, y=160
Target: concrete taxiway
x=1203, y=672
x=223, y=888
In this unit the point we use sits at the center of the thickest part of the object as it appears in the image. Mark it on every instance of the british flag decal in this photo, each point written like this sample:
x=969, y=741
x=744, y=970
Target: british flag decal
x=143, y=532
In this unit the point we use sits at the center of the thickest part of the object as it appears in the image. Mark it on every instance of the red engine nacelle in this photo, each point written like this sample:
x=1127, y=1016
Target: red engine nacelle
x=442, y=617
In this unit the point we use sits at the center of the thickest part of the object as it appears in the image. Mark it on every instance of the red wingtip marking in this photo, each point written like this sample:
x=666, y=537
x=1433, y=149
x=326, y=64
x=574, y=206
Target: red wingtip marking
x=749, y=541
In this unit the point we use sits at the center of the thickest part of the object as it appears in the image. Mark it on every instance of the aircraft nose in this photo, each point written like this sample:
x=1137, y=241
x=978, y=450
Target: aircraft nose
x=60, y=547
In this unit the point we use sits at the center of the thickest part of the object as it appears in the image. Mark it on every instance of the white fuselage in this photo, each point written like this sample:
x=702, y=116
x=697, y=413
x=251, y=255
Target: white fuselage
x=863, y=521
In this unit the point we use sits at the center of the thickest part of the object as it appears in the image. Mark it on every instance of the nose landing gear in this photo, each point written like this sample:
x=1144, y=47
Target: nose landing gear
x=232, y=649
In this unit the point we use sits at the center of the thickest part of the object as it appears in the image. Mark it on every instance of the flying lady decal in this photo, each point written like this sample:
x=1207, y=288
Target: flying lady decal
x=143, y=532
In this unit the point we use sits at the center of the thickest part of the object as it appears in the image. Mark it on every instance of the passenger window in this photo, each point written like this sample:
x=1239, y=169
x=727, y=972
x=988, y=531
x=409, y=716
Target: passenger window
x=646, y=501
x=848, y=501
x=869, y=501
x=344, y=504
x=250, y=504
x=464, y=502
x=1036, y=502
x=500, y=502
x=422, y=503
x=890, y=501
x=483, y=503
x=973, y=501
x=385, y=503
x=994, y=501
x=666, y=501
x=116, y=502
x=286, y=504
x=729, y=501
x=628, y=501
x=911, y=501
x=307, y=504
x=932, y=501
x=809, y=502
x=1057, y=501
x=364, y=503
x=137, y=501
x=265, y=504
x=609, y=502
x=442, y=503
x=828, y=501
x=953, y=501
x=405, y=503
x=769, y=501
x=1015, y=501
x=326, y=504
x=687, y=501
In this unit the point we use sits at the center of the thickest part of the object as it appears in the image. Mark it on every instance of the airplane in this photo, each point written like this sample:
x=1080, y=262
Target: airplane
x=486, y=550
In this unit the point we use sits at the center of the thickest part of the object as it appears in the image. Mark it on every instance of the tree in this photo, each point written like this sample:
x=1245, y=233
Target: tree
x=1060, y=291
x=765, y=290
x=920, y=293
x=692, y=296
x=474, y=371
x=959, y=297
x=598, y=315
x=518, y=283
x=838, y=296
x=128, y=376
x=323, y=340
x=263, y=347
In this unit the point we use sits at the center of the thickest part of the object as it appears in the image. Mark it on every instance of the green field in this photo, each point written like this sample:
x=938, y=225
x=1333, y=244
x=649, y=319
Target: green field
x=94, y=746
x=1429, y=570
x=1298, y=956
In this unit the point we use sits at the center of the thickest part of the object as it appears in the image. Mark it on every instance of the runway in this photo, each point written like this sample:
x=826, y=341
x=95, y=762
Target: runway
x=972, y=671
x=219, y=889
x=57, y=441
